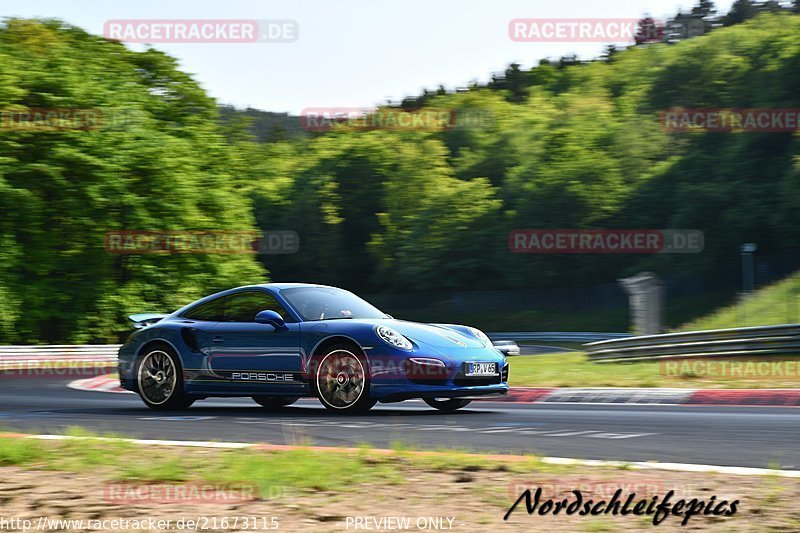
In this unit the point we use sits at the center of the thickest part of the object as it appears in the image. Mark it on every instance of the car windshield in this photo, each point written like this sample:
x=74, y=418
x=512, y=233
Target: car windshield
x=328, y=303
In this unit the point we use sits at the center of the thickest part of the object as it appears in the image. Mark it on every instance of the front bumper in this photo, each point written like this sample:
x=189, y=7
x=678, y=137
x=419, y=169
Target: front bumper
x=449, y=382
x=471, y=393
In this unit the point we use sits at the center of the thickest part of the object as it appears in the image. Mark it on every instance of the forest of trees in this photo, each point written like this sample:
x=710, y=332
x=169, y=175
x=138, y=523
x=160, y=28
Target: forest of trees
x=378, y=210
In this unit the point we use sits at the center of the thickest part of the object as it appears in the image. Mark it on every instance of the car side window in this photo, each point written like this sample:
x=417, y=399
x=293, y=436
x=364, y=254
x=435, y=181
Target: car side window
x=244, y=306
x=213, y=311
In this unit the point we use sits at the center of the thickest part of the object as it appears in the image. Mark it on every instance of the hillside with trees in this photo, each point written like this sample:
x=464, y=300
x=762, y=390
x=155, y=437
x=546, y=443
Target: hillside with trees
x=563, y=145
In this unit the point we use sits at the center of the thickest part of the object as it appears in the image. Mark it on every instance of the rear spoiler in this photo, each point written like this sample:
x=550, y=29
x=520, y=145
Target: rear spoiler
x=142, y=320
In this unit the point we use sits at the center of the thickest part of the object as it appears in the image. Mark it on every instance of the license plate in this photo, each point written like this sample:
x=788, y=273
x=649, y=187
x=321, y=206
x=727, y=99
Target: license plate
x=481, y=369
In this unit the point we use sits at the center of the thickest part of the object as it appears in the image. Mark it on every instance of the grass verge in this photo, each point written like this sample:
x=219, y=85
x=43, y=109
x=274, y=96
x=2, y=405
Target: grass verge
x=302, y=469
x=778, y=303
x=309, y=489
x=574, y=369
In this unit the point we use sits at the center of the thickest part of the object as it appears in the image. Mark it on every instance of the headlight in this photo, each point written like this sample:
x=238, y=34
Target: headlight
x=390, y=336
x=427, y=361
x=481, y=335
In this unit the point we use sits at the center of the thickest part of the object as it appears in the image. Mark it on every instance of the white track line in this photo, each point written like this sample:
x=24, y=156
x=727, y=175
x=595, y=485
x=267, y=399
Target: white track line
x=677, y=467
x=153, y=442
x=636, y=465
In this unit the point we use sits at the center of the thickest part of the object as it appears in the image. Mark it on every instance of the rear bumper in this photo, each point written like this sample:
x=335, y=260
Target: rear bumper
x=125, y=368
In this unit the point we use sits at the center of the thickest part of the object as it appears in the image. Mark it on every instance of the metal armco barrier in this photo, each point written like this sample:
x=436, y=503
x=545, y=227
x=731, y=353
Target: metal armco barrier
x=555, y=336
x=761, y=340
x=31, y=356
x=108, y=352
x=95, y=350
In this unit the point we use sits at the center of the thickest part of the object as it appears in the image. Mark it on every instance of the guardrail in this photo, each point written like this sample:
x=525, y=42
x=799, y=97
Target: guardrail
x=109, y=351
x=12, y=357
x=555, y=336
x=760, y=340
x=602, y=347
x=90, y=350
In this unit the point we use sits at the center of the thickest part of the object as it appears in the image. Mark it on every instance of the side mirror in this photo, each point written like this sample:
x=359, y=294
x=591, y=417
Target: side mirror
x=272, y=318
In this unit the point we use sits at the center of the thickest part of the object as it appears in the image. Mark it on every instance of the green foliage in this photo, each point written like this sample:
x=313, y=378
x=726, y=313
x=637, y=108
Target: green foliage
x=563, y=145
x=778, y=303
x=579, y=146
x=157, y=163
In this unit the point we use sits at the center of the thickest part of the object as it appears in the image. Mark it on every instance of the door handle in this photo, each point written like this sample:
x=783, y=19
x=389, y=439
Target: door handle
x=218, y=339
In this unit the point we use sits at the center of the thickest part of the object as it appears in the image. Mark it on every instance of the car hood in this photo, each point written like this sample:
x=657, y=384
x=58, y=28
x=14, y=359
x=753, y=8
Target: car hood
x=431, y=335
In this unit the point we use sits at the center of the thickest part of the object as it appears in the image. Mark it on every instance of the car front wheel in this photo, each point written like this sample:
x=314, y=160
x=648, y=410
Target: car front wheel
x=160, y=380
x=341, y=380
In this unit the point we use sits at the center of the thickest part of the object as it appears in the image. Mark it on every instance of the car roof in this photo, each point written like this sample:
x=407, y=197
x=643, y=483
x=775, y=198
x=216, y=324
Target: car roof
x=283, y=286
x=276, y=287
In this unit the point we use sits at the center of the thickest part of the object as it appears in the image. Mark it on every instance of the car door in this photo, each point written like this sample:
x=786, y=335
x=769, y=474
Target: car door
x=198, y=322
x=246, y=351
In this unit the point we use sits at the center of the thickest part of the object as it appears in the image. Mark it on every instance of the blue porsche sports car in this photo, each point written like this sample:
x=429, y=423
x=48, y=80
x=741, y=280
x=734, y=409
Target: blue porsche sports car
x=279, y=342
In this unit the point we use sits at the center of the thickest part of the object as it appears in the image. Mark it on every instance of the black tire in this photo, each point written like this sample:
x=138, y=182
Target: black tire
x=340, y=379
x=274, y=402
x=159, y=379
x=447, y=405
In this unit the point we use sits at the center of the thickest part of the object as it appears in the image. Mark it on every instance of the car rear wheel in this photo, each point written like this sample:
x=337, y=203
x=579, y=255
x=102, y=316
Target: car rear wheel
x=447, y=405
x=159, y=377
x=341, y=380
x=274, y=402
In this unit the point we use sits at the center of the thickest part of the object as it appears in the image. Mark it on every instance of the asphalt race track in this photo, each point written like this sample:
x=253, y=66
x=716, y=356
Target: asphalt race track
x=726, y=436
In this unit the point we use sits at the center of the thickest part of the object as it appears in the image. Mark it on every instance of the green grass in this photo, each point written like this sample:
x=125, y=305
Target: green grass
x=275, y=472
x=778, y=303
x=574, y=369
x=304, y=470
x=774, y=304
x=334, y=479
x=14, y=452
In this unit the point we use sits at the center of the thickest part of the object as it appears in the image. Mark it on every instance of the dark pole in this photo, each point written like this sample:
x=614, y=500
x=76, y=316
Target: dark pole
x=748, y=278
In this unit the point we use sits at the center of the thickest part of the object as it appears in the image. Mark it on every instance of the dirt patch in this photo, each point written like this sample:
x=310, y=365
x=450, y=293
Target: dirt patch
x=458, y=500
